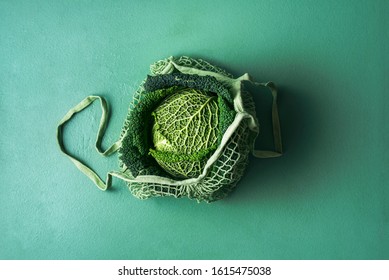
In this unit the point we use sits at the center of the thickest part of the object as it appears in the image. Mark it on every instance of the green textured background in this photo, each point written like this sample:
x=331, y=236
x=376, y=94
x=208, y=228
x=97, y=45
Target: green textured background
x=326, y=198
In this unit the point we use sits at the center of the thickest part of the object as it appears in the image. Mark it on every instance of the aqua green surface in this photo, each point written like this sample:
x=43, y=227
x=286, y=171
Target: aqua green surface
x=326, y=198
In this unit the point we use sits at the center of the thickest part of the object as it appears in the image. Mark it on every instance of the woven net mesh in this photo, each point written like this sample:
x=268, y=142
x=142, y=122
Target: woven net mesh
x=226, y=170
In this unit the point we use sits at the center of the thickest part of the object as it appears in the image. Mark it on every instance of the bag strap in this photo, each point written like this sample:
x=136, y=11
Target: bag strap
x=276, y=126
x=103, y=124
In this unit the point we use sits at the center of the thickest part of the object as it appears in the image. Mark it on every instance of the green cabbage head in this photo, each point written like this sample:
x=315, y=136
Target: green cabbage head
x=185, y=132
x=176, y=125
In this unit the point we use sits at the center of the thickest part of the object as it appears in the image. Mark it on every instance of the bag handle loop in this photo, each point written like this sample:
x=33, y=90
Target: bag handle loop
x=276, y=126
x=103, y=124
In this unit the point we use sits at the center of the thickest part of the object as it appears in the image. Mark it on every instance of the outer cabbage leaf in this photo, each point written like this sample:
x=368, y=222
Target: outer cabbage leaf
x=134, y=152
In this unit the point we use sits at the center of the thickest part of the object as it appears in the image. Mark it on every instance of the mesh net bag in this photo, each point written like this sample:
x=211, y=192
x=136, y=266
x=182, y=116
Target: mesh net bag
x=196, y=167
